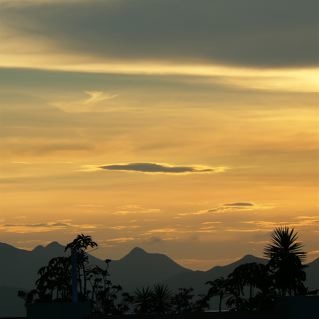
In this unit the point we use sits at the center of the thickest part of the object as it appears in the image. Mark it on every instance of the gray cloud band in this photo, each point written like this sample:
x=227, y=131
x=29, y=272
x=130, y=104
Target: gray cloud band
x=155, y=168
x=247, y=32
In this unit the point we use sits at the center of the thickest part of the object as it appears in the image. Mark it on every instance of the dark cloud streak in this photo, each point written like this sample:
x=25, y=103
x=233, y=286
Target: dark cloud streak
x=246, y=32
x=155, y=168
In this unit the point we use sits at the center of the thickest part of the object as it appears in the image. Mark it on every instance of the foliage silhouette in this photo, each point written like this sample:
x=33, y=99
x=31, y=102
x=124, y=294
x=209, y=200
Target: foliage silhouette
x=219, y=287
x=143, y=300
x=79, y=247
x=286, y=261
x=254, y=286
x=105, y=297
x=161, y=299
x=183, y=301
x=250, y=287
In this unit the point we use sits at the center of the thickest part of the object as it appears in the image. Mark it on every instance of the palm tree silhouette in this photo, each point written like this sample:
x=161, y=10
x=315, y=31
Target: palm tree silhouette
x=143, y=300
x=255, y=278
x=286, y=261
x=161, y=299
x=219, y=287
x=235, y=288
x=251, y=275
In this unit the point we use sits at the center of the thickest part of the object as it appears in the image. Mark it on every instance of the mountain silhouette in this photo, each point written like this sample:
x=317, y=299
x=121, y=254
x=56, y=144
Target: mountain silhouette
x=19, y=267
x=18, y=270
x=197, y=279
x=139, y=268
x=313, y=274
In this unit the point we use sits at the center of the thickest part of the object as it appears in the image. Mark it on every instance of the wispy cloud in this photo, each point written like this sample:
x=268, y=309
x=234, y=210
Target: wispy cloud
x=135, y=209
x=162, y=230
x=97, y=97
x=236, y=206
x=209, y=226
x=297, y=222
x=229, y=207
x=111, y=242
x=125, y=227
x=87, y=104
x=239, y=204
x=44, y=227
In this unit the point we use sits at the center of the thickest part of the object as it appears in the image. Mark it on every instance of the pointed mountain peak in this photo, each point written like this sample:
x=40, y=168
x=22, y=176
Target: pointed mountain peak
x=137, y=251
x=54, y=244
x=135, y=255
x=38, y=248
x=247, y=259
x=250, y=258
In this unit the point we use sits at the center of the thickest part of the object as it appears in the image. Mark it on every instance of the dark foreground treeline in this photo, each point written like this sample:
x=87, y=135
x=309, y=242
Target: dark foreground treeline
x=251, y=287
x=296, y=307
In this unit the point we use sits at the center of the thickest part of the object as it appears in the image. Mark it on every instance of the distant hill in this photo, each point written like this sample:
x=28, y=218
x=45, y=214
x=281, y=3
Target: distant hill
x=313, y=274
x=197, y=279
x=18, y=270
x=19, y=267
x=140, y=268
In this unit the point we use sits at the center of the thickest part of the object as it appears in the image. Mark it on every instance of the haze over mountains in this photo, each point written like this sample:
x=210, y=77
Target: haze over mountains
x=18, y=270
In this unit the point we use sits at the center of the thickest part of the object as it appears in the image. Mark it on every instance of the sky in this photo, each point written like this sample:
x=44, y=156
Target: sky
x=184, y=127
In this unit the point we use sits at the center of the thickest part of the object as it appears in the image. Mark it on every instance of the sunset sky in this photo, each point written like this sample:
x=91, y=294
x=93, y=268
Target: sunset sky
x=185, y=127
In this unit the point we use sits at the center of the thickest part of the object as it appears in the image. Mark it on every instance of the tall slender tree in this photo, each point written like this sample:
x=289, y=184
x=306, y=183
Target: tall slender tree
x=79, y=247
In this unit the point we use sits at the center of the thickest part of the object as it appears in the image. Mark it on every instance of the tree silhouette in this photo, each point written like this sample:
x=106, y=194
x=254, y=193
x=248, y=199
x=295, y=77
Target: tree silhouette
x=286, y=261
x=250, y=287
x=219, y=287
x=53, y=284
x=143, y=300
x=236, y=300
x=254, y=278
x=79, y=247
x=54, y=280
x=251, y=275
x=106, y=297
x=182, y=301
x=161, y=299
